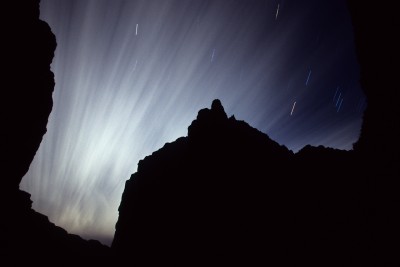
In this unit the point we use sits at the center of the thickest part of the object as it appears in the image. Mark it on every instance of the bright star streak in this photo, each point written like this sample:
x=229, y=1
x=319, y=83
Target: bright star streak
x=277, y=11
x=294, y=104
x=309, y=74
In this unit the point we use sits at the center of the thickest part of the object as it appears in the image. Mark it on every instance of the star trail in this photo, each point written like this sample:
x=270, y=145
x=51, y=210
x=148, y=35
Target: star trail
x=132, y=75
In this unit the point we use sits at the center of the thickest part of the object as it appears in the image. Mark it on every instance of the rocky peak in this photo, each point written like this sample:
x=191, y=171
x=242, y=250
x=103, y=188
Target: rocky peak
x=209, y=121
x=217, y=109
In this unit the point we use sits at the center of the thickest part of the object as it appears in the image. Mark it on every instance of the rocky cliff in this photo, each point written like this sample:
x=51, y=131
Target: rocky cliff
x=29, y=237
x=375, y=36
x=227, y=193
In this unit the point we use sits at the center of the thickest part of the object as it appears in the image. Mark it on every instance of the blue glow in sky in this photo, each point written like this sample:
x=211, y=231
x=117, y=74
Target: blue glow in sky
x=132, y=75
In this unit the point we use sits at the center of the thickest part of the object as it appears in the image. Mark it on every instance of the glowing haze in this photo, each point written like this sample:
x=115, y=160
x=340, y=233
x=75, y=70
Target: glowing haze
x=132, y=75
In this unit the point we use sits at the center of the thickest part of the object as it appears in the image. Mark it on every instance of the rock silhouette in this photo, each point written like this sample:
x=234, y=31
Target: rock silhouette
x=28, y=236
x=226, y=193
x=379, y=144
x=30, y=83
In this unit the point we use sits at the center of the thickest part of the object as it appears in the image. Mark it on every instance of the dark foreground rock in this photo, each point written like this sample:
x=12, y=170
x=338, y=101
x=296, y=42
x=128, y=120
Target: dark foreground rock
x=28, y=237
x=228, y=194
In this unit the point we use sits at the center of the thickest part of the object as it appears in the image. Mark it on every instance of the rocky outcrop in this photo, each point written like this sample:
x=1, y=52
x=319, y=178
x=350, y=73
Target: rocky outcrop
x=30, y=84
x=203, y=196
x=374, y=36
x=379, y=144
x=29, y=238
x=228, y=194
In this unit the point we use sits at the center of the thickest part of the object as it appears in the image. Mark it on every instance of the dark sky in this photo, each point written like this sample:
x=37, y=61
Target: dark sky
x=132, y=75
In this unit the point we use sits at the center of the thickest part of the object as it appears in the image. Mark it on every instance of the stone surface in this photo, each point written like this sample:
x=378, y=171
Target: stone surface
x=29, y=238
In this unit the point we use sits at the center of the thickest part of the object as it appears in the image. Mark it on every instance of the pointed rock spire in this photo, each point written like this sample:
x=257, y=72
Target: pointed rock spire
x=218, y=109
x=208, y=120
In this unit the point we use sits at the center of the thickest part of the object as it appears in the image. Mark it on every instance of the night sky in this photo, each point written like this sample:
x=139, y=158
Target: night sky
x=132, y=75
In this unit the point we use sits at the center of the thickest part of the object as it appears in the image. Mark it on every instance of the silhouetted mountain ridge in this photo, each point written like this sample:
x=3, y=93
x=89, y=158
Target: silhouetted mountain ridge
x=214, y=196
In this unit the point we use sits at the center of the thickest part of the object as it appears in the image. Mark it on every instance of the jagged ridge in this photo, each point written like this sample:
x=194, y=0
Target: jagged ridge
x=227, y=193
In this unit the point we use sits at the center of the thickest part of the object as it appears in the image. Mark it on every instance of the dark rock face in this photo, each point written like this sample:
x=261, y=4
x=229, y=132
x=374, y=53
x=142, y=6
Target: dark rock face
x=376, y=50
x=379, y=143
x=29, y=237
x=31, y=46
x=191, y=200
x=228, y=194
